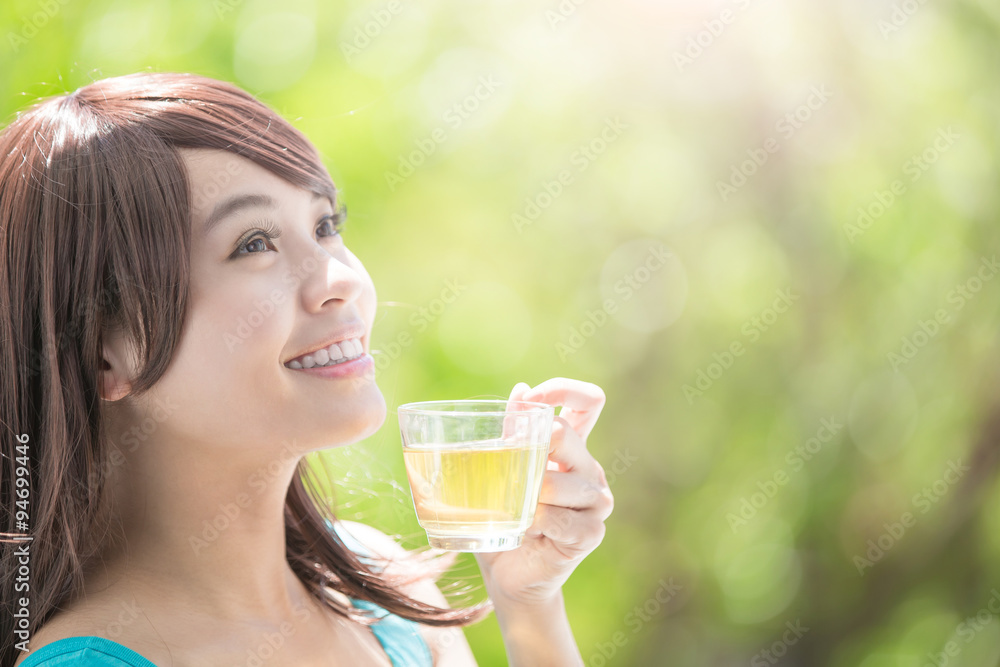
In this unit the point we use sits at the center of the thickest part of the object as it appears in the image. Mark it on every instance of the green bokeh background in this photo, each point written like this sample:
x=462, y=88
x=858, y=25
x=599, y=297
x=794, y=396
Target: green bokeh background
x=722, y=535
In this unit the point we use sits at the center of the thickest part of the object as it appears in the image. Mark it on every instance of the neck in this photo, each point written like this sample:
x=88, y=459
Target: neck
x=206, y=525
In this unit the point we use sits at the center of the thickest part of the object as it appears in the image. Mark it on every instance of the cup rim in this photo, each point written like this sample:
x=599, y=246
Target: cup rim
x=423, y=407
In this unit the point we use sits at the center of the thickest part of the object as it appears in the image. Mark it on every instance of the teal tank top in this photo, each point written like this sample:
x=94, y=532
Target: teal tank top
x=399, y=637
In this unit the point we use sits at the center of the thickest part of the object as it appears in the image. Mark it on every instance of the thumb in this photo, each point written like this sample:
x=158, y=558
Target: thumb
x=515, y=395
x=518, y=391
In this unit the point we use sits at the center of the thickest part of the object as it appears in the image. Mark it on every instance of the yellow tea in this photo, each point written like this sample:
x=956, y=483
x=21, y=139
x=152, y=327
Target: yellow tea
x=487, y=488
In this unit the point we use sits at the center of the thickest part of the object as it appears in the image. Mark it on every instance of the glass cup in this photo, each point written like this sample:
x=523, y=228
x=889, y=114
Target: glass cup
x=475, y=469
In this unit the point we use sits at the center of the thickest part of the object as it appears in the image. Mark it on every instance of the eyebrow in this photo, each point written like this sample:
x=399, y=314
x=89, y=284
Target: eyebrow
x=237, y=203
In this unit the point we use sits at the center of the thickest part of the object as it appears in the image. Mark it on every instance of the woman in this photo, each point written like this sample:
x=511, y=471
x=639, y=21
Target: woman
x=172, y=518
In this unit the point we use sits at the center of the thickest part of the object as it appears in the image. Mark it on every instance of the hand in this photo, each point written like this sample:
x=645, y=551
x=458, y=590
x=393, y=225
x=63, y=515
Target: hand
x=574, y=502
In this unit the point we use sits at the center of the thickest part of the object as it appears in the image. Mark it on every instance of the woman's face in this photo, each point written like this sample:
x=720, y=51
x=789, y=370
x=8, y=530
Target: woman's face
x=258, y=302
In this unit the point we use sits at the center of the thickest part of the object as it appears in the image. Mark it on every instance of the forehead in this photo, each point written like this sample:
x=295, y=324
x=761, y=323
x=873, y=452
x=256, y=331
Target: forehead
x=215, y=175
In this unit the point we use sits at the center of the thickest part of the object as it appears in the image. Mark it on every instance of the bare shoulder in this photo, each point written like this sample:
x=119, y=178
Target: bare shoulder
x=95, y=619
x=448, y=644
x=60, y=626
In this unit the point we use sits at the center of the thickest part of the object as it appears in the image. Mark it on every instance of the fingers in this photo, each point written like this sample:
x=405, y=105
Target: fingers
x=569, y=450
x=572, y=491
x=574, y=533
x=581, y=402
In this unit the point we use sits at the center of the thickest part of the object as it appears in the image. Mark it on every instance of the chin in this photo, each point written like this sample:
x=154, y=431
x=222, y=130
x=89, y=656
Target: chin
x=367, y=420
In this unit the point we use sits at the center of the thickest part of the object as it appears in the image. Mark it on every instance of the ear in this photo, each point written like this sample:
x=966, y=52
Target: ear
x=118, y=367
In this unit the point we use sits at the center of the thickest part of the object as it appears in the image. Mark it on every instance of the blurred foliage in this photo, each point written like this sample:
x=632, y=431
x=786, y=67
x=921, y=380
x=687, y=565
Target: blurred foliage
x=787, y=390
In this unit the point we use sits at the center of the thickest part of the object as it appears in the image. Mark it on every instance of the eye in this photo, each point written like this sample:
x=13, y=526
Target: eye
x=334, y=223
x=255, y=242
x=258, y=237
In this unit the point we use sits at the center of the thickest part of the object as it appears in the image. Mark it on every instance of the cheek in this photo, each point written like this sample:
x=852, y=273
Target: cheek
x=233, y=339
x=236, y=320
x=226, y=369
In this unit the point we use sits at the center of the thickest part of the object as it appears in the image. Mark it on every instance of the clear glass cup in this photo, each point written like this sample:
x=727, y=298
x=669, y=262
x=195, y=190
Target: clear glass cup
x=475, y=469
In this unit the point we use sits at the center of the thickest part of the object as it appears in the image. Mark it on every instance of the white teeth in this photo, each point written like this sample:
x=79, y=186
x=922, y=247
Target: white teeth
x=351, y=348
x=346, y=349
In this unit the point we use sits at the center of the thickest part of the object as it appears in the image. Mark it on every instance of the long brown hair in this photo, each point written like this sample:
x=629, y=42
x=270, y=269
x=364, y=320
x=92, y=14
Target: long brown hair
x=95, y=234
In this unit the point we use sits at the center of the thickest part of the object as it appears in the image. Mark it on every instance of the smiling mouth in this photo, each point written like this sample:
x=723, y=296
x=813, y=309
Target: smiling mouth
x=332, y=355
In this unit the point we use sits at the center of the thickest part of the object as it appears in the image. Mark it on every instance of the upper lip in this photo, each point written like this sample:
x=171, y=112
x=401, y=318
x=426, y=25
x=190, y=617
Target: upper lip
x=350, y=330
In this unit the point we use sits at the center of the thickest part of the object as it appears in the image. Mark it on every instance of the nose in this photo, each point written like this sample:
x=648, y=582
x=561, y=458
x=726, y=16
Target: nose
x=328, y=276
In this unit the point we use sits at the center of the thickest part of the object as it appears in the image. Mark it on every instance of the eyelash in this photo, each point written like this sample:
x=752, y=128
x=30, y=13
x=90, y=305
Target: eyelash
x=266, y=229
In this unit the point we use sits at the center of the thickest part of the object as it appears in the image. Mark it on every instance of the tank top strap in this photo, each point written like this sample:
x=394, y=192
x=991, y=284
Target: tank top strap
x=400, y=637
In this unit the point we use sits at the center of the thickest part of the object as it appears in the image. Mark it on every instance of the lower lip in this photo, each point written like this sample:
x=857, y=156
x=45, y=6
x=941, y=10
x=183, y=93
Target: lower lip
x=360, y=366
